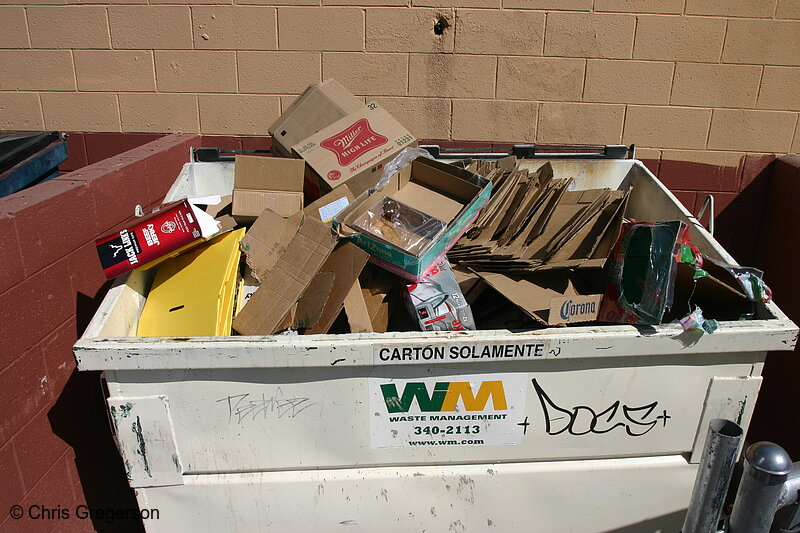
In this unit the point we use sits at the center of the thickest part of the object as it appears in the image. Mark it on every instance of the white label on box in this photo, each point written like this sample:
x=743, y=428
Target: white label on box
x=399, y=354
x=327, y=212
x=447, y=410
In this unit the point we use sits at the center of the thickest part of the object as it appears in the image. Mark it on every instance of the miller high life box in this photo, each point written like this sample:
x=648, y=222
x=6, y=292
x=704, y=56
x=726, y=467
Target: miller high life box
x=352, y=149
x=319, y=106
x=175, y=227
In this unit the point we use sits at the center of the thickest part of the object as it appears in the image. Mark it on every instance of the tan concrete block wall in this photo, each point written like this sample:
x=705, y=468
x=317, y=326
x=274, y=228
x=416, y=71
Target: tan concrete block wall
x=719, y=76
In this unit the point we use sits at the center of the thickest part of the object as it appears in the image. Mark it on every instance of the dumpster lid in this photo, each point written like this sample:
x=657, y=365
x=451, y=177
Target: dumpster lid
x=16, y=146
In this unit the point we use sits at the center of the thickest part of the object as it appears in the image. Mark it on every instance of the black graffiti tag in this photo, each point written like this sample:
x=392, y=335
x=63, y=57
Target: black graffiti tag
x=582, y=419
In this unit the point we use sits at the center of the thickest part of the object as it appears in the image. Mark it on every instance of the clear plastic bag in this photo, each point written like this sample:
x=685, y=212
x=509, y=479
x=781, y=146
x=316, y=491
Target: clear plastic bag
x=400, y=225
x=436, y=301
x=406, y=156
x=642, y=272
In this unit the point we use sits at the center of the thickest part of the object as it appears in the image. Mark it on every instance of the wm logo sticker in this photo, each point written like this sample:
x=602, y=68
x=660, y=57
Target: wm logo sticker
x=444, y=397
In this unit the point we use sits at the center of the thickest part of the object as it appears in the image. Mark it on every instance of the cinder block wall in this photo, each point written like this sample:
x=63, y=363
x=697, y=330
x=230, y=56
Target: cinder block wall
x=670, y=75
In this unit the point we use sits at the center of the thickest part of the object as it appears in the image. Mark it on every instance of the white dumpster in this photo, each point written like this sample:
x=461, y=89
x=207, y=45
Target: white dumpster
x=584, y=429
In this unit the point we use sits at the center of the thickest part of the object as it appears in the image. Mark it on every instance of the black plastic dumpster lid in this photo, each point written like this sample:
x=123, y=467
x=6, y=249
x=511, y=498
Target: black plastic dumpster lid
x=16, y=146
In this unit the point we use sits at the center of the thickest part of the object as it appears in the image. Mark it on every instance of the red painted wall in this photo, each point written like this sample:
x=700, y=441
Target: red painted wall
x=777, y=254
x=55, y=444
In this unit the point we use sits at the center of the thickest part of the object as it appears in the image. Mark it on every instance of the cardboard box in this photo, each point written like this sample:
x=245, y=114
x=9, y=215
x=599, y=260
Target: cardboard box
x=444, y=192
x=352, y=149
x=147, y=241
x=267, y=183
x=320, y=105
x=285, y=255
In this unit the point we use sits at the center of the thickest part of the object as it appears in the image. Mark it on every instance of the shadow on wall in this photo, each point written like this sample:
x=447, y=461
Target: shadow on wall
x=739, y=217
x=79, y=418
x=777, y=254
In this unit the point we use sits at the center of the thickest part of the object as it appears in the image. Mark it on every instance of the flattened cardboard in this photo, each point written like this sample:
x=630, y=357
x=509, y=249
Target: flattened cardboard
x=574, y=309
x=552, y=228
x=355, y=146
x=355, y=307
x=540, y=302
x=267, y=183
x=469, y=283
x=287, y=280
x=378, y=289
x=222, y=208
x=320, y=105
x=311, y=304
x=267, y=240
x=345, y=265
x=719, y=295
x=532, y=299
x=222, y=213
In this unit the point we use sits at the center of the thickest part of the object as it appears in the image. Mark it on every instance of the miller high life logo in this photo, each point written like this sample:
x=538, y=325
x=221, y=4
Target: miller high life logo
x=353, y=142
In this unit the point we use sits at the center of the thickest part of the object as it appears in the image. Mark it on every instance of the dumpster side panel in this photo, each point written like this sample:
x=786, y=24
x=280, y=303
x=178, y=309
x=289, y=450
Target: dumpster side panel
x=251, y=420
x=558, y=497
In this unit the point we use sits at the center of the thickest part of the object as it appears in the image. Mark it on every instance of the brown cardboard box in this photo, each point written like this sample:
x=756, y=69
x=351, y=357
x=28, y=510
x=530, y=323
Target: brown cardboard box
x=352, y=149
x=429, y=190
x=267, y=183
x=320, y=105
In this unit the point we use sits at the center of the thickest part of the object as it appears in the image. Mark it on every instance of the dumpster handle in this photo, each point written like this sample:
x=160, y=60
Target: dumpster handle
x=707, y=203
x=531, y=151
x=213, y=155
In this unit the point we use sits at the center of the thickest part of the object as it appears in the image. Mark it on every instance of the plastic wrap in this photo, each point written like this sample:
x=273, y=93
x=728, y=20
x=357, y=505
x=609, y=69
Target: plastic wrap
x=642, y=272
x=750, y=281
x=406, y=156
x=400, y=225
x=696, y=321
x=436, y=301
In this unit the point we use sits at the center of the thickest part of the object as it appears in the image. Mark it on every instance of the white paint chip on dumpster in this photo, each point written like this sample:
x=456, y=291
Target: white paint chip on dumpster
x=447, y=410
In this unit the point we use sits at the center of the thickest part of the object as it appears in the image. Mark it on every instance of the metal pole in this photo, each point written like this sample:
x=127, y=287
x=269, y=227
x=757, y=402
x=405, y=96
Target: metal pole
x=765, y=472
x=790, y=493
x=713, y=476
